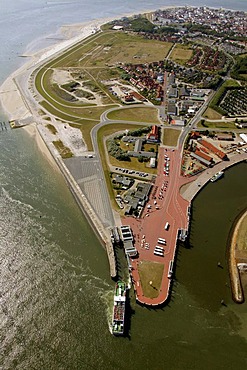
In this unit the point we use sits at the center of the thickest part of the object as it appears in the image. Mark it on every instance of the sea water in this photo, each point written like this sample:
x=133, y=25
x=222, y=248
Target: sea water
x=55, y=291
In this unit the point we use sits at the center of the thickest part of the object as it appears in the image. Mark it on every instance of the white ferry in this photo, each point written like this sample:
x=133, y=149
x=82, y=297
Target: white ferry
x=217, y=176
x=119, y=309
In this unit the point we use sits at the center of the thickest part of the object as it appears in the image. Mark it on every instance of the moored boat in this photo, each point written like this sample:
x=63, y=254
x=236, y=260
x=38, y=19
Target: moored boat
x=118, y=314
x=217, y=176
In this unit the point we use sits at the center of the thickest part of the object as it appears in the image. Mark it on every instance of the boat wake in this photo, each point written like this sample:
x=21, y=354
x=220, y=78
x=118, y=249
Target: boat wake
x=6, y=194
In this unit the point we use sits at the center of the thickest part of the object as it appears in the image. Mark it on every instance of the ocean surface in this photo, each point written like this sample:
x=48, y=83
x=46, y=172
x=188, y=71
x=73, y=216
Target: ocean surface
x=55, y=290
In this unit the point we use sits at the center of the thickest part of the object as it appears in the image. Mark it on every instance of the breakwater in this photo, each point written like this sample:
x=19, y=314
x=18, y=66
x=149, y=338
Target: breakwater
x=236, y=286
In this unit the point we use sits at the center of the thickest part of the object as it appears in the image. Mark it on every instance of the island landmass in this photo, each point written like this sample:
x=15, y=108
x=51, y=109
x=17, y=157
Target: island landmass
x=139, y=113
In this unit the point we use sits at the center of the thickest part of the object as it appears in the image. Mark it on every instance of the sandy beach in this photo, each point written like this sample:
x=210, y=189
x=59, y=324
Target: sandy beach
x=11, y=100
x=19, y=103
x=42, y=146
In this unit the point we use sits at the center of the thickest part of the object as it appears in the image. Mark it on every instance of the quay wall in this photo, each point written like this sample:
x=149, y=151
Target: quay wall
x=190, y=190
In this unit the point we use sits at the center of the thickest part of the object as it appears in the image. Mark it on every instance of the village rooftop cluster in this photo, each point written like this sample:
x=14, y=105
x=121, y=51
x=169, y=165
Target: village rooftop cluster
x=219, y=20
x=182, y=102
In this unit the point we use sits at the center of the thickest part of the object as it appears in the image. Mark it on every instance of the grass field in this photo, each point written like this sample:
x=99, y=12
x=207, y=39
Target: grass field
x=181, y=53
x=147, y=147
x=94, y=58
x=138, y=114
x=62, y=149
x=151, y=277
x=57, y=103
x=134, y=164
x=110, y=48
x=75, y=115
x=211, y=114
x=171, y=136
x=51, y=128
x=59, y=98
x=217, y=125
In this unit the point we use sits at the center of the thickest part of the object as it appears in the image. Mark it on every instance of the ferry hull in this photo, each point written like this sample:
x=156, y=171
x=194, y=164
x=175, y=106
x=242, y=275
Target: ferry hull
x=118, y=314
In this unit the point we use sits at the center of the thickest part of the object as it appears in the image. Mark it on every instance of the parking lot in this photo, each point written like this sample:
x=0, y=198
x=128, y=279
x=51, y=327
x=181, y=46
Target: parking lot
x=132, y=172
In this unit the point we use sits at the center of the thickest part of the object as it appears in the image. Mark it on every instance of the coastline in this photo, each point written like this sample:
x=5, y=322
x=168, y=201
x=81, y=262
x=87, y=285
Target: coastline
x=15, y=106
x=58, y=164
x=10, y=98
x=11, y=101
x=57, y=292
x=84, y=29
x=41, y=144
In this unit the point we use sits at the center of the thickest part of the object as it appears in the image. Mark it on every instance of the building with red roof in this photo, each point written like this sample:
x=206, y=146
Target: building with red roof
x=213, y=149
x=203, y=155
x=154, y=134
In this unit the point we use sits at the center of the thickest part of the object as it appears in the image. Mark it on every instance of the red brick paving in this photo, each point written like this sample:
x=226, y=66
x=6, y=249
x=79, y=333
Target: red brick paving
x=172, y=209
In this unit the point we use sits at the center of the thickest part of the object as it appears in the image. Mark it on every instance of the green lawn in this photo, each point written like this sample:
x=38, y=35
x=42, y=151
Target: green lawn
x=151, y=277
x=211, y=114
x=217, y=125
x=170, y=137
x=72, y=113
x=181, y=53
x=138, y=114
x=63, y=150
x=51, y=128
x=113, y=47
x=134, y=164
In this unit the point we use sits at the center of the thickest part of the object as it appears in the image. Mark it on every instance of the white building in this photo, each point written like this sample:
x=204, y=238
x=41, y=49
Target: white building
x=243, y=137
x=152, y=162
